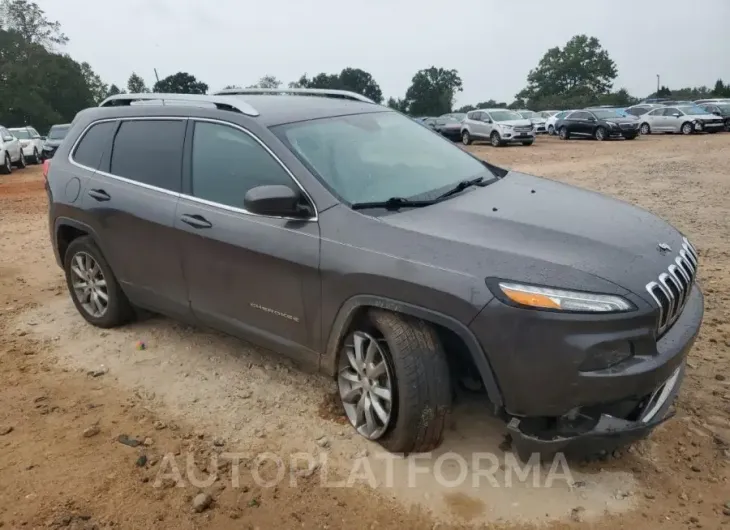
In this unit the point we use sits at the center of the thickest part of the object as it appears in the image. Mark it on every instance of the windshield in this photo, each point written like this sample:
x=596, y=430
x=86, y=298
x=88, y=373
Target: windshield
x=58, y=132
x=691, y=109
x=725, y=109
x=20, y=134
x=505, y=115
x=528, y=114
x=373, y=157
x=603, y=114
x=456, y=116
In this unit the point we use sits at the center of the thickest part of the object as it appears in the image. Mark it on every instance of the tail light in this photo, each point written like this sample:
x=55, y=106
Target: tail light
x=46, y=167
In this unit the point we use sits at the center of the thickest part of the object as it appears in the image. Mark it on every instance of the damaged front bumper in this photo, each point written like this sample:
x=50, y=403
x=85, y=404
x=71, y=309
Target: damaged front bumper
x=608, y=433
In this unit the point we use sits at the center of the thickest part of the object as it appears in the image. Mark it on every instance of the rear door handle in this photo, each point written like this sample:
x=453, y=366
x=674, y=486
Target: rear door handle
x=99, y=195
x=196, y=221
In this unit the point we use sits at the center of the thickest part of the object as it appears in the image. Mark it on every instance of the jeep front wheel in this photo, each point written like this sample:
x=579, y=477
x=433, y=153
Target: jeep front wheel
x=394, y=382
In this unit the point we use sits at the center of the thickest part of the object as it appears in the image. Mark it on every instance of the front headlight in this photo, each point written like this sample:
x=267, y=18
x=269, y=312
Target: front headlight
x=507, y=127
x=563, y=300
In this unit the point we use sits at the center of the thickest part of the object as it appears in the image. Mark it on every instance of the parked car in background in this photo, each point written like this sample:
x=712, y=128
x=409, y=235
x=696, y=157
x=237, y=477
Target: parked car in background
x=675, y=102
x=600, y=124
x=498, y=126
x=552, y=120
x=31, y=142
x=11, y=152
x=642, y=108
x=712, y=100
x=686, y=119
x=538, y=122
x=449, y=125
x=55, y=136
x=548, y=113
x=721, y=109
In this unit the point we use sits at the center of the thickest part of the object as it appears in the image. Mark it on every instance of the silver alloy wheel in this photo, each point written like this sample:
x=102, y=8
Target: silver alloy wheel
x=551, y=130
x=8, y=164
x=495, y=139
x=563, y=133
x=21, y=160
x=645, y=128
x=89, y=284
x=365, y=384
x=600, y=135
x=687, y=128
x=36, y=156
x=465, y=137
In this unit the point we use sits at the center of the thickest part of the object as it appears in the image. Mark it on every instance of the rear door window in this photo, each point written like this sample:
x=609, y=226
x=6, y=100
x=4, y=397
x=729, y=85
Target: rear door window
x=91, y=148
x=150, y=152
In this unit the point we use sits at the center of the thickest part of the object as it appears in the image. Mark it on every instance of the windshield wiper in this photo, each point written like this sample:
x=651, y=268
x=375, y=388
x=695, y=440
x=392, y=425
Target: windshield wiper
x=461, y=186
x=394, y=203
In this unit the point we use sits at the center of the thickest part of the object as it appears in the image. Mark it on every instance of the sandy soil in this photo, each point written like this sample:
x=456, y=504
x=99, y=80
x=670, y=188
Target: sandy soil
x=207, y=405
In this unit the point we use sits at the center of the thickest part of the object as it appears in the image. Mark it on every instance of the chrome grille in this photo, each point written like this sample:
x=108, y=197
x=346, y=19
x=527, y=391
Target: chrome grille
x=523, y=128
x=628, y=126
x=672, y=289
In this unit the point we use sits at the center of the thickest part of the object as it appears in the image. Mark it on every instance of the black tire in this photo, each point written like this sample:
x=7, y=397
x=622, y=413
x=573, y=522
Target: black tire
x=21, y=164
x=119, y=311
x=551, y=130
x=599, y=134
x=37, y=157
x=563, y=133
x=496, y=140
x=645, y=128
x=727, y=125
x=630, y=137
x=465, y=138
x=422, y=383
x=528, y=143
x=687, y=128
x=7, y=167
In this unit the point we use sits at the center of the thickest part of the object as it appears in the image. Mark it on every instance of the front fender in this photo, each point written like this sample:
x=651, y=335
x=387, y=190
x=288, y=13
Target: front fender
x=328, y=361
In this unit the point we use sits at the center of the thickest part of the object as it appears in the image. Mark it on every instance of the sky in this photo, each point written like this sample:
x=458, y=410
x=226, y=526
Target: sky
x=493, y=44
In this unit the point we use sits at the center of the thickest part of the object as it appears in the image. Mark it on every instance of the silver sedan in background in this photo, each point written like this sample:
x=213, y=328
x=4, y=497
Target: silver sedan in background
x=686, y=119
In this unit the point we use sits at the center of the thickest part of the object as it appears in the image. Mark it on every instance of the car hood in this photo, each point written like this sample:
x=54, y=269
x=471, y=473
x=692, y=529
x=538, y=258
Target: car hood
x=516, y=123
x=702, y=117
x=530, y=229
x=622, y=119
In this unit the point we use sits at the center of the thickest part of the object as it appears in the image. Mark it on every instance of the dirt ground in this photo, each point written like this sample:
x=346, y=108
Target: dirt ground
x=215, y=416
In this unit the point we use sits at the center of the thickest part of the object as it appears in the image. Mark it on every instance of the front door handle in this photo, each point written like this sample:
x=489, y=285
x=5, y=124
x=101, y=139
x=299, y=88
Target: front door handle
x=99, y=195
x=196, y=221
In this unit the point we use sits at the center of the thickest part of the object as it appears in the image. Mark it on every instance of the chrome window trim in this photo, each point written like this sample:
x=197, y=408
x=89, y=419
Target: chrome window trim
x=184, y=195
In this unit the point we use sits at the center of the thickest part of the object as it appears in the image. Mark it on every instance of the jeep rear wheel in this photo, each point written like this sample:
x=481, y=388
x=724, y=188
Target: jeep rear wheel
x=94, y=289
x=394, y=382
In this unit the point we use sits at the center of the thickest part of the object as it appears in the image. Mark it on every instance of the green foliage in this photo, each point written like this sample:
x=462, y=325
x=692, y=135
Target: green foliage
x=29, y=20
x=352, y=79
x=53, y=91
x=572, y=76
x=401, y=105
x=136, y=85
x=96, y=86
x=268, y=81
x=432, y=91
x=180, y=83
x=489, y=104
x=721, y=90
x=114, y=90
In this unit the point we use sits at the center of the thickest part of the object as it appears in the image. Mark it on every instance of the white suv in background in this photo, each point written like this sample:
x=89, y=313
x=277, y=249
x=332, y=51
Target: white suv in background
x=31, y=142
x=498, y=126
x=10, y=152
x=552, y=120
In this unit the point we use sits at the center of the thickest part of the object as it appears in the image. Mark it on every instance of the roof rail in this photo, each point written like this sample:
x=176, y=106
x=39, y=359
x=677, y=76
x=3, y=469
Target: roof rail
x=342, y=94
x=225, y=102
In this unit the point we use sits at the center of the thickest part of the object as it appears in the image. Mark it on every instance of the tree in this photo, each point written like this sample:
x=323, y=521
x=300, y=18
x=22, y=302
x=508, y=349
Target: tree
x=582, y=70
x=96, y=86
x=31, y=23
x=362, y=82
x=663, y=92
x=136, y=85
x=114, y=90
x=268, y=81
x=52, y=91
x=401, y=105
x=721, y=90
x=352, y=79
x=180, y=83
x=432, y=91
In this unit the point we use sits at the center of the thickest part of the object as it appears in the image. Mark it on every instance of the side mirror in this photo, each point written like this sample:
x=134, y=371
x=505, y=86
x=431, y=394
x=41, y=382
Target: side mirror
x=8, y=138
x=591, y=119
x=276, y=200
x=676, y=114
x=44, y=138
x=487, y=120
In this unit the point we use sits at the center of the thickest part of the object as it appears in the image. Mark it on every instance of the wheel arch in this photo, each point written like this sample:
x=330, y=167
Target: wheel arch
x=357, y=307
x=65, y=231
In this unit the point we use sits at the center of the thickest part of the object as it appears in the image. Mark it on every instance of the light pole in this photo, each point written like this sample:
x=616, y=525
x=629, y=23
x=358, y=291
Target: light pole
x=657, y=85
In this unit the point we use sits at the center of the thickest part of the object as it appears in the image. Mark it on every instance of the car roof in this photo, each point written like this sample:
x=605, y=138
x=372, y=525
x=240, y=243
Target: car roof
x=267, y=109
x=492, y=110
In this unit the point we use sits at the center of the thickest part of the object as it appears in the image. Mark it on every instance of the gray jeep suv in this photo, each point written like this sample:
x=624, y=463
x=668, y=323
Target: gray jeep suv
x=347, y=236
